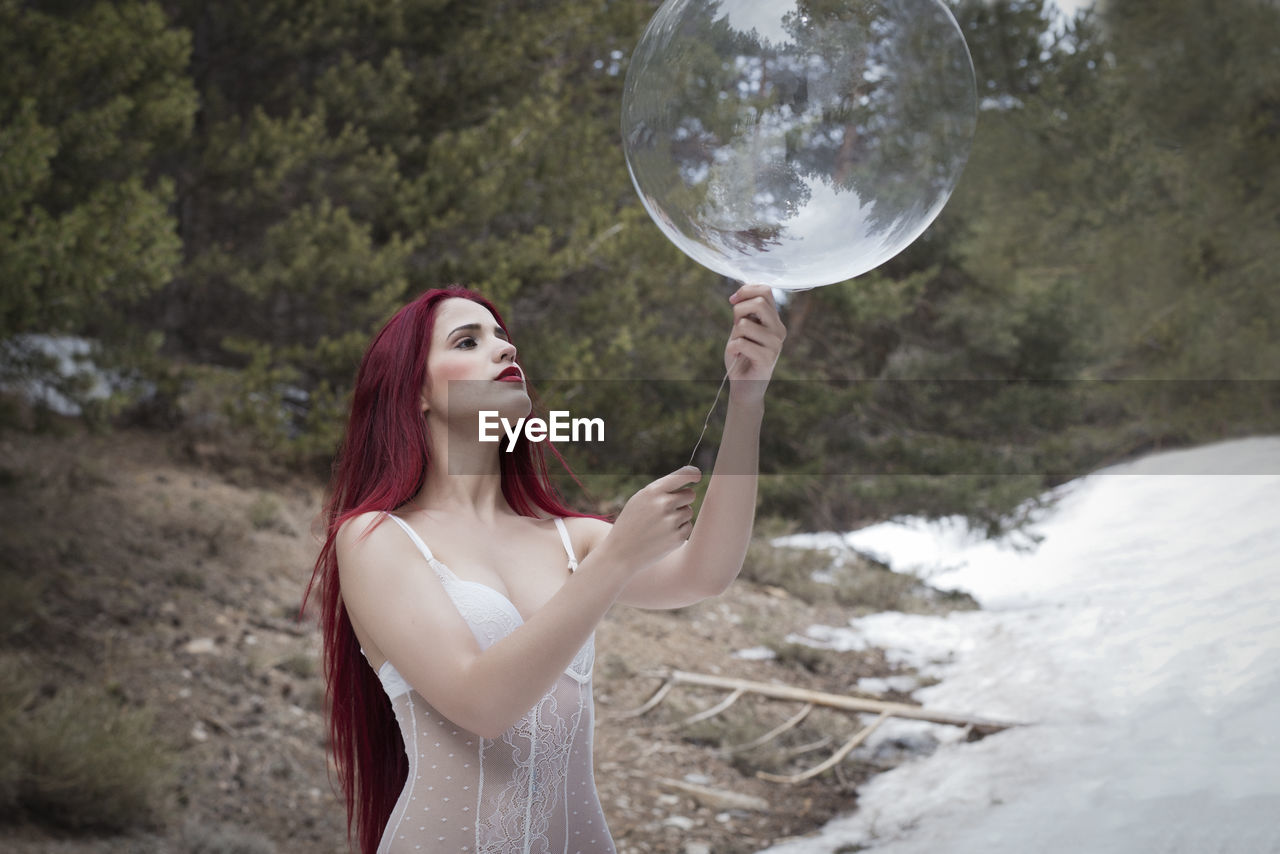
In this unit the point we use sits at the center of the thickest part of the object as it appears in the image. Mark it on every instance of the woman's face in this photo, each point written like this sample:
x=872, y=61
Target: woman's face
x=469, y=352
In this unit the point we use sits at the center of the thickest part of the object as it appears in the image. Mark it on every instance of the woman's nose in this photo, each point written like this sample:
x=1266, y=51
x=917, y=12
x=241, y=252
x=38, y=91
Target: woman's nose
x=507, y=350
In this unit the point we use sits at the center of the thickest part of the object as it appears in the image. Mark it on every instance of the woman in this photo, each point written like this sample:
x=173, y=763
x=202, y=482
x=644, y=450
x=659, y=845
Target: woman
x=459, y=610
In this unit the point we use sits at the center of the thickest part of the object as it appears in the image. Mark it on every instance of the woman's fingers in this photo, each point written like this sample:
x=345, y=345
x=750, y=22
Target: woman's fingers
x=746, y=292
x=678, y=479
x=756, y=317
x=756, y=335
x=682, y=499
x=756, y=332
x=759, y=310
x=752, y=352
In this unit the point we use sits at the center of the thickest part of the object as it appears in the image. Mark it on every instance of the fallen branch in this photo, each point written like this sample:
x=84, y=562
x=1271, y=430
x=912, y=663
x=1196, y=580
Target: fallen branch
x=883, y=709
x=789, y=723
x=833, y=759
x=713, y=711
x=982, y=726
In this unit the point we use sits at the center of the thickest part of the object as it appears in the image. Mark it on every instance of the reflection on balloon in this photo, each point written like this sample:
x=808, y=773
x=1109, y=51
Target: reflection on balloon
x=797, y=143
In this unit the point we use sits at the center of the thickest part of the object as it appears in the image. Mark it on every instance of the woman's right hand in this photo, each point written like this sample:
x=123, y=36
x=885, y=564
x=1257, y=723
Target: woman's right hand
x=655, y=521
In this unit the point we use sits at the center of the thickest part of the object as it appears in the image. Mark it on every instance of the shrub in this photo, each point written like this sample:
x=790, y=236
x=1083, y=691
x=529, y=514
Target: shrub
x=264, y=512
x=789, y=568
x=78, y=759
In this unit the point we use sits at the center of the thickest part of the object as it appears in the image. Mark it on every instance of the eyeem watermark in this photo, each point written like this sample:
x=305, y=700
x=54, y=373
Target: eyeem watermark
x=560, y=428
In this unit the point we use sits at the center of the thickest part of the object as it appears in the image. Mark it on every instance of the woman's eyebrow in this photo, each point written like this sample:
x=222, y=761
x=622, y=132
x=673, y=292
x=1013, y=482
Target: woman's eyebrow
x=476, y=327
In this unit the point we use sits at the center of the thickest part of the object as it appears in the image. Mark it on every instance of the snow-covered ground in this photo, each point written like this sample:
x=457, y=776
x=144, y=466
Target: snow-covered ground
x=1140, y=642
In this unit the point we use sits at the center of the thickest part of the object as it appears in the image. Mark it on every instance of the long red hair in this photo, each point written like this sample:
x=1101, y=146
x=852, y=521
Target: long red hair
x=381, y=463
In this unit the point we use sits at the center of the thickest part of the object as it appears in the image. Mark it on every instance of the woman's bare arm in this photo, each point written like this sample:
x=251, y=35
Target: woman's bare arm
x=712, y=558
x=402, y=607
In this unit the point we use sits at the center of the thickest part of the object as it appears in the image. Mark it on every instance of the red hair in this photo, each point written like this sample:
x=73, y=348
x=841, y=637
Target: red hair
x=381, y=464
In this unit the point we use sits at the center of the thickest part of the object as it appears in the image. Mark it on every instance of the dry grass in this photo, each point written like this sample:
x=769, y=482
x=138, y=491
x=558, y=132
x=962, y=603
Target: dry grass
x=850, y=579
x=225, y=839
x=732, y=733
x=265, y=514
x=788, y=568
x=117, y=554
x=78, y=759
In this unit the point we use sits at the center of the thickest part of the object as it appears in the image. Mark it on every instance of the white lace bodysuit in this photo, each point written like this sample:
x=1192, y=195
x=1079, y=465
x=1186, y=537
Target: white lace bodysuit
x=531, y=790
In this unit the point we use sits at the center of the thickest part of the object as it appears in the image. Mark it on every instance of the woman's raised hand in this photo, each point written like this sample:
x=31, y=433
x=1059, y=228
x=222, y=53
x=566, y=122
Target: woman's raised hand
x=754, y=342
x=656, y=520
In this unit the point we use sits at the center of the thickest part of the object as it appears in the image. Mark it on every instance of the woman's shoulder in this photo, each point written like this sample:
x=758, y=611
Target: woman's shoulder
x=587, y=523
x=358, y=529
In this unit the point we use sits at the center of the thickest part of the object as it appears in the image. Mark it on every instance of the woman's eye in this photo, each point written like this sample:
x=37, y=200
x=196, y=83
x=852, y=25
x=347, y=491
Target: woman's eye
x=468, y=341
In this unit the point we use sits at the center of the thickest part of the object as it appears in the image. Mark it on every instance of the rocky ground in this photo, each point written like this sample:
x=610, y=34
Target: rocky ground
x=141, y=580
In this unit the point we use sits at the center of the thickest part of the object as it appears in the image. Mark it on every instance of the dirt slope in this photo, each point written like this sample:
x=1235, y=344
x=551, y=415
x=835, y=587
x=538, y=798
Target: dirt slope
x=134, y=571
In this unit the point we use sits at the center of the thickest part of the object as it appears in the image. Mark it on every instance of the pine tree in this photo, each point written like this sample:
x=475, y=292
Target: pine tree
x=93, y=104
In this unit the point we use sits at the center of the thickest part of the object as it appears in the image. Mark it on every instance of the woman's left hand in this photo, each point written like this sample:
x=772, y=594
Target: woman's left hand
x=754, y=342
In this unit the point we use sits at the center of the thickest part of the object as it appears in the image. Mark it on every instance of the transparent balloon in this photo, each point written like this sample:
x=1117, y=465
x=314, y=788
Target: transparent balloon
x=797, y=143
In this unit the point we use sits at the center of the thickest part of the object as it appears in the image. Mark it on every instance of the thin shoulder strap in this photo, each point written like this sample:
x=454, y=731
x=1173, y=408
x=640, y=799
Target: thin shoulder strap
x=417, y=541
x=568, y=546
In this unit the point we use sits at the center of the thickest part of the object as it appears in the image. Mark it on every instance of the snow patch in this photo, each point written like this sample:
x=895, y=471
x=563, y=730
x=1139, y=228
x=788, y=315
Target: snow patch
x=1139, y=643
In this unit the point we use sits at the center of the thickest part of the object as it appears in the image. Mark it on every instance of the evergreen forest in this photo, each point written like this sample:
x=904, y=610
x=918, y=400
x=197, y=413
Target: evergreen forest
x=226, y=198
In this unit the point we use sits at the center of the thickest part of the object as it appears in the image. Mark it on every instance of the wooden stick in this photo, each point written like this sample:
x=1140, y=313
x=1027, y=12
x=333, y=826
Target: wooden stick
x=833, y=759
x=807, y=748
x=982, y=726
x=790, y=723
x=714, y=710
x=658, y=696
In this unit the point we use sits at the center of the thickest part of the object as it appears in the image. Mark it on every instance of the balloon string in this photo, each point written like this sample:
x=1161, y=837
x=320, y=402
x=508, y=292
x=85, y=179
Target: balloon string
x=712, y=409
